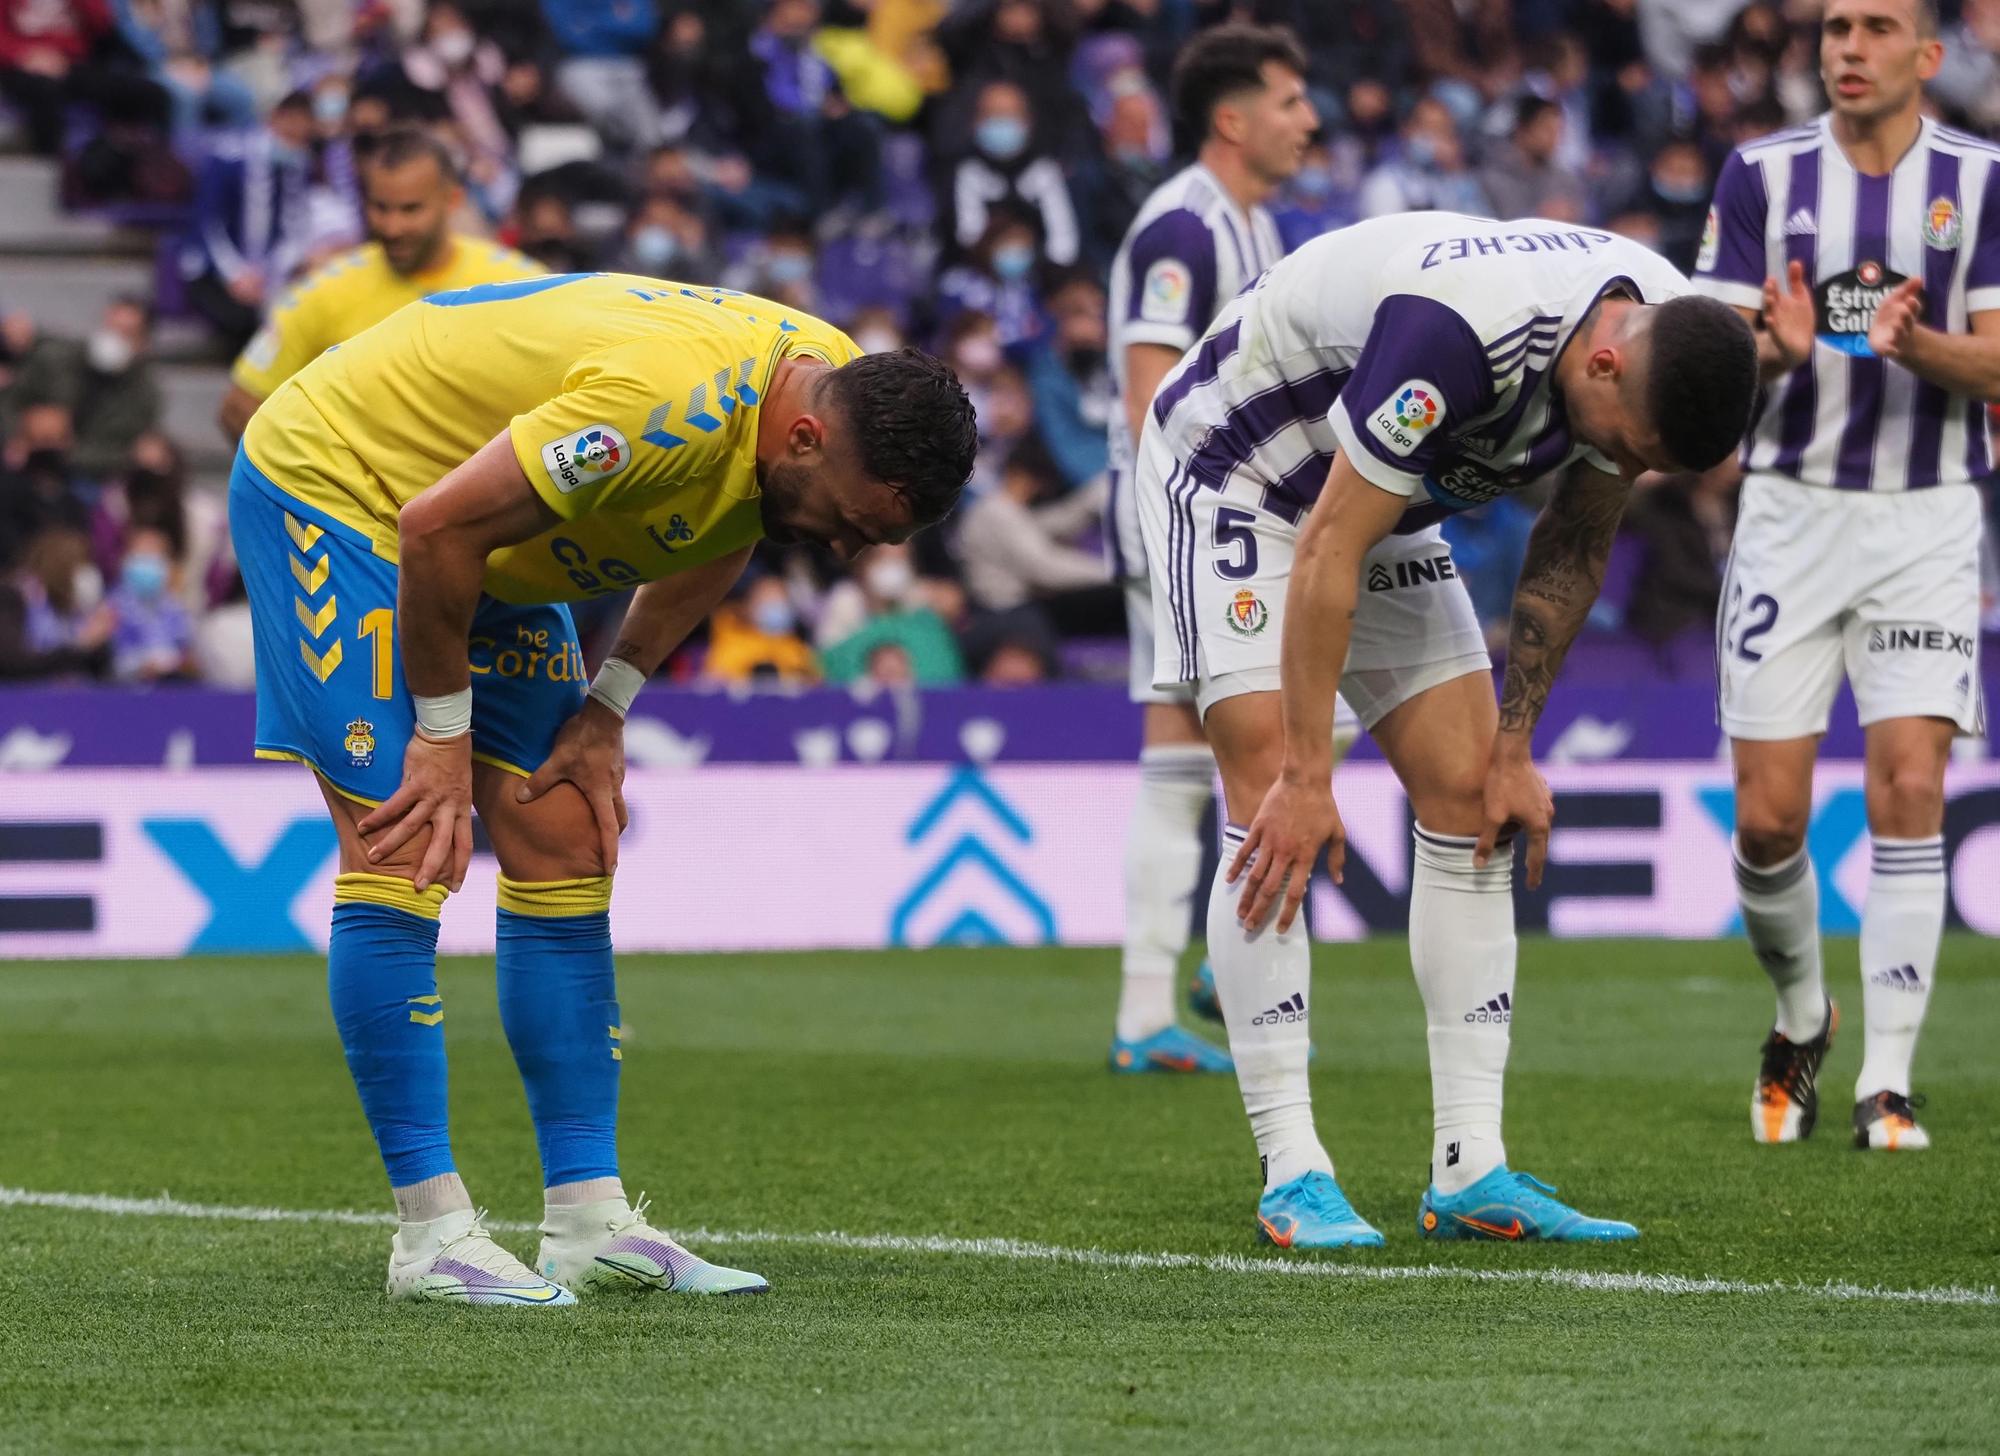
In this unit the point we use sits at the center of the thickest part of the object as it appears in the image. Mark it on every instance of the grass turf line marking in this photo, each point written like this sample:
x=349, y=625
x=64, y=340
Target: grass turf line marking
x=1027, y=1251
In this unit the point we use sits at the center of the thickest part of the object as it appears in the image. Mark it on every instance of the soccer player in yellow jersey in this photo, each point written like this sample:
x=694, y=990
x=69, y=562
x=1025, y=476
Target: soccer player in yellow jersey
x=412, y=512
x=410, y=189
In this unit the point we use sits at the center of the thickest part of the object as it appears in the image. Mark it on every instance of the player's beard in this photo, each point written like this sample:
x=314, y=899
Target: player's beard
x=780, y=501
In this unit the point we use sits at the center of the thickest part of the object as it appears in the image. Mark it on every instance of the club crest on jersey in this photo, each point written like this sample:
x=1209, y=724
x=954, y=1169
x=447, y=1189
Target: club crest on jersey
x=1942, y=225
x=1409, y=414
x=360, y=743
x=1164, y=296
x=585, y=457
x=1711, y=243
x=1248, y=616
x=1845, y=306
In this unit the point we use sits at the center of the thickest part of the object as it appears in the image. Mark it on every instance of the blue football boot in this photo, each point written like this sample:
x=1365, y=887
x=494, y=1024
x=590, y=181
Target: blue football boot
x=1512, y=1206
x=1311, y=1212
x=1170, y=1050
x=1202, y=1000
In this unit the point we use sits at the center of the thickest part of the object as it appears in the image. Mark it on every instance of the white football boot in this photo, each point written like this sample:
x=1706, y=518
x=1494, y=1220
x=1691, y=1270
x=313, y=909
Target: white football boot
x=1887, y=1122
x=593, y=1248
x=453, y=1260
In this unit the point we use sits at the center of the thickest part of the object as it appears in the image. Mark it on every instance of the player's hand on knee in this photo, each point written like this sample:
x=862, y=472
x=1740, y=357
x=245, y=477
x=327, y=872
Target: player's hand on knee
x=589, y=753
x=1517, y=798
x=1276, y=860
x=436, y=794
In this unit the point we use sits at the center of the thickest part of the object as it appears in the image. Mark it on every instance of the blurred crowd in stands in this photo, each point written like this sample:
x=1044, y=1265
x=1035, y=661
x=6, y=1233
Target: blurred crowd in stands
x=953, y=173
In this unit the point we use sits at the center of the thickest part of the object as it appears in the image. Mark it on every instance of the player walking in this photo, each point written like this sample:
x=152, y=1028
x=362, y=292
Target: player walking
x=1198, y=239
x=409, y=190
x=1869, y=244
x=411, y=511
x=1290, y=480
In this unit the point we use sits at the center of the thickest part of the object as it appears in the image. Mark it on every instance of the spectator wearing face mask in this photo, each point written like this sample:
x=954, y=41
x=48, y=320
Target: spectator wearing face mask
x=1071, y=382
x=461, y=75
x=39, y=487
x=887, y=605
x=105, y=383
x=154, y=634
x=253, y=220
x=1677, y=193
x=997, y=279
x=781, y=267
x=54, y=621
x=151, y=492
x=1006, y=166
x=756, y=639
x=877, y=330
x=1428, y=173
x=665, y=240
x=1318, y=198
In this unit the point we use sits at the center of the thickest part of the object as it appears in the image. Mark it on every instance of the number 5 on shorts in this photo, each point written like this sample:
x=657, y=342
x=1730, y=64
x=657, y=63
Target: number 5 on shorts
x=1233, y=533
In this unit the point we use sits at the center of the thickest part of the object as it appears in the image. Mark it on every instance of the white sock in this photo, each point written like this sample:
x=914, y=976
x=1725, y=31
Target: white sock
x=589, y=1190
x=1462, y=948
x=1900, y=926
x=431, y=1199
x=1781, y=916
x=1162, y=862
x=1262, y=980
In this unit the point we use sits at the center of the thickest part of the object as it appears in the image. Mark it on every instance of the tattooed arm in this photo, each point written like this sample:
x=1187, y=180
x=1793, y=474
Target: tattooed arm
x=1560, y=578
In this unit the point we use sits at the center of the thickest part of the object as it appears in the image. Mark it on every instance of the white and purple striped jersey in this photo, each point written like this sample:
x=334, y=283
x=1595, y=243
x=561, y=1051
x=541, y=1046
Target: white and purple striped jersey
x=1189, y=251
x=1845, y=418
x=1423, y=346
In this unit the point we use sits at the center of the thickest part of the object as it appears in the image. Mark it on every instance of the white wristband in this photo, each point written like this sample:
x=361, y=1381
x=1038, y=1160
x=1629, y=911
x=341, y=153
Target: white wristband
x=447, y=716
x=616, y=684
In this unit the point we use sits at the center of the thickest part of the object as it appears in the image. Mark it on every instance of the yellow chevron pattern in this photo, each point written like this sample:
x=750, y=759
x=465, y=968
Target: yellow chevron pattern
x=427, y=1018
x=322, y=667
x=617, y=1034
x=311, y=579
x=314, y=622
x=303, y=535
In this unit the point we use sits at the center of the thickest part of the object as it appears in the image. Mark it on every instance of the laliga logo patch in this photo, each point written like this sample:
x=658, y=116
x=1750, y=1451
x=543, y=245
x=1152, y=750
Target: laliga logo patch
x=1942, y=225
x=1164, y=296
x=586, y=457
x=360, y=744
x=1711, y=243
x=1248, y=616
x=1408, y=415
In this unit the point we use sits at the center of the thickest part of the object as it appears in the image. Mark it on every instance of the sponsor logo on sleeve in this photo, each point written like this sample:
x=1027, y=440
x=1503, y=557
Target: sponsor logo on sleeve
x=1166, y=292
x=1407, y=415
x=1711, y=243
x=588, y=456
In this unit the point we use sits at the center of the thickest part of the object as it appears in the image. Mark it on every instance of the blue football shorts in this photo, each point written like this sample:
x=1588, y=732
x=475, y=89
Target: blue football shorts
x=330, y=690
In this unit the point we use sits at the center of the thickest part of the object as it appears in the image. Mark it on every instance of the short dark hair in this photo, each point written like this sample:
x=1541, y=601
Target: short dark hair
x=1223, y=62
x=1531, y=109
x=1703, y=379
x=912, y=425
x=398, y=146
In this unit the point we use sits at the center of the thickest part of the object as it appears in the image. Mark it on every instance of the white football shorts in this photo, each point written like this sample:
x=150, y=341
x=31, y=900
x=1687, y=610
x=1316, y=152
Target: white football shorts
x=1222, y=564
x=1882, y=587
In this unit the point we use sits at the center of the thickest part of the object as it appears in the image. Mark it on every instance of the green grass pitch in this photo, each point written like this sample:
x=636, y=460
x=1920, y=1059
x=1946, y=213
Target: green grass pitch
x=962, y=1095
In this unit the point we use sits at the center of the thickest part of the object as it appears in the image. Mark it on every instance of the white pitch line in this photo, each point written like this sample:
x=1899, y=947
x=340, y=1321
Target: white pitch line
x=1027, y=1251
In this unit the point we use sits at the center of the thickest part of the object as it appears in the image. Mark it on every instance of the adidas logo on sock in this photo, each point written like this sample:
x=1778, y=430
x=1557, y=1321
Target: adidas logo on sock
x=1898, y=978
x=1500, y=1008
x=1801, y=225
x=1292, y=1008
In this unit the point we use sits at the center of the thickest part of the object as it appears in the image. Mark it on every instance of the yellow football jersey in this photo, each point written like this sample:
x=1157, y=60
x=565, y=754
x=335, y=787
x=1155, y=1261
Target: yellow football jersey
x=631, y=404
x=356, y=291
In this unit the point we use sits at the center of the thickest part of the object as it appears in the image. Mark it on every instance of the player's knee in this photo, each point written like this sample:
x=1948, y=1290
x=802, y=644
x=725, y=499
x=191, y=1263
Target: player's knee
x=1770, y=831
x=1450, y=798
x=1907, y=801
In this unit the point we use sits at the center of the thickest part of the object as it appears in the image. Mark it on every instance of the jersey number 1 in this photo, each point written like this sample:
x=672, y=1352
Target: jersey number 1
x=381, y=625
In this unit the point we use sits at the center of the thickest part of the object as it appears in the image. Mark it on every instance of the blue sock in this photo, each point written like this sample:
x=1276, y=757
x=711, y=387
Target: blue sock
x=381, y=975
x=559, y=1004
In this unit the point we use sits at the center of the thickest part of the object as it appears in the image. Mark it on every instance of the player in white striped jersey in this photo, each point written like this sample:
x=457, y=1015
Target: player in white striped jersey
x=1291, y=475
x=1202, y=235
x=1869, y=245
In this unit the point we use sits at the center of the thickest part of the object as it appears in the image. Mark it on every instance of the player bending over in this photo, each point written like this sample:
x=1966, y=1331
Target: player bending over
x=411, y=511
x=1857, y=546
x=1291, y=478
